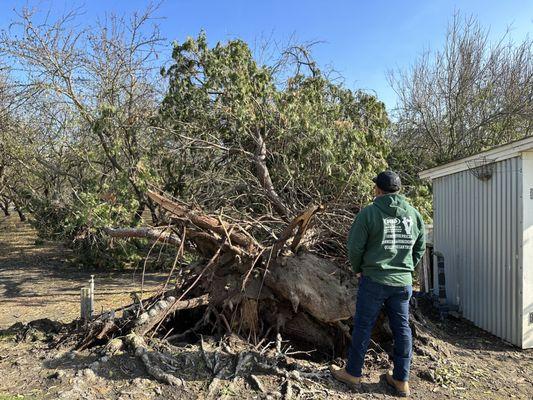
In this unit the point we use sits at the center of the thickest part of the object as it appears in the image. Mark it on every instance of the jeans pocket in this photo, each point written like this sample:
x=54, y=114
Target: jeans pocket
x=407, y=292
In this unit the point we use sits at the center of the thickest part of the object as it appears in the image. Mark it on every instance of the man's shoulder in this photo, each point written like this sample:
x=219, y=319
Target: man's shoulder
x=410, y=208
x=368, y=209
x=369, y=214
x=415, y=213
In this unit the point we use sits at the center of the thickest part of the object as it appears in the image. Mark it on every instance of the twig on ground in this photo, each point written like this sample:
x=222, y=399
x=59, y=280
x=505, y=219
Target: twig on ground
x=258, y=383
x=208, y=361
x=243, y=359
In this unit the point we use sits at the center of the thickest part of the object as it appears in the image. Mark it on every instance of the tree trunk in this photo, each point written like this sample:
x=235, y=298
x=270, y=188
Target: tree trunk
x=22, y=217
x=153, y=213
x=5, y=208
x=149, y=233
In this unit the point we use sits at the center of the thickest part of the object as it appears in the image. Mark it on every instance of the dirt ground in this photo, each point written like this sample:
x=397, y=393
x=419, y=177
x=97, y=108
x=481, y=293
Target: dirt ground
x=36, y=281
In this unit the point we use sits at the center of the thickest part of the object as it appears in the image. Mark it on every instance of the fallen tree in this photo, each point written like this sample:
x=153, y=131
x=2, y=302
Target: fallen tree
x=258, y=291
x=245, y=287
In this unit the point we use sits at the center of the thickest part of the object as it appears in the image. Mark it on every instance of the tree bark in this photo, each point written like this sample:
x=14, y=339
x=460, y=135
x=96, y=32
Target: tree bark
x=263, y=175
x=149, y=233
x=5, y=208
x=204, y=221
x=22, y=217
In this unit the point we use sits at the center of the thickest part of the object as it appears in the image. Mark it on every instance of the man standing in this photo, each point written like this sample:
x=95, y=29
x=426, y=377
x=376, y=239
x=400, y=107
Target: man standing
x=385, y=244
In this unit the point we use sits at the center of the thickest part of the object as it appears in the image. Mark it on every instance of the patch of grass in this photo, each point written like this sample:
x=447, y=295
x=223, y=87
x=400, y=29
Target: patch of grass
x=447, y=374
x=226, y=391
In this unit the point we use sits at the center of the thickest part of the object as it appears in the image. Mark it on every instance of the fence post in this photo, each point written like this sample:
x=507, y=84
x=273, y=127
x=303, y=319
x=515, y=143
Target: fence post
x=91, y=297
x=85, y=311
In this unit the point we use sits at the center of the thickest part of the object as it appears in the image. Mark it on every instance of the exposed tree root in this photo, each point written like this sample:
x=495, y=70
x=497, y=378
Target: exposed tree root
x=252, y=289
x=141, y=350
x=163, y=309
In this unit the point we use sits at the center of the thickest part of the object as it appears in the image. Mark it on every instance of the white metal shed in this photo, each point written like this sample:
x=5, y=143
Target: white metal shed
x=483, y=225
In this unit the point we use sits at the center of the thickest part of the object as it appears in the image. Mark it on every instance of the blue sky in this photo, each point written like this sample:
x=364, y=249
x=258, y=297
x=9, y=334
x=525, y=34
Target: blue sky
x=359, y=39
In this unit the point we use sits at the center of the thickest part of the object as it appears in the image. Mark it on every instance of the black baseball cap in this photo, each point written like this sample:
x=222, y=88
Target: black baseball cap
x=388, y=181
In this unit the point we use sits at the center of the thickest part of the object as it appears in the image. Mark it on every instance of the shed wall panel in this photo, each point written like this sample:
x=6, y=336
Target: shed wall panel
x=478, y=229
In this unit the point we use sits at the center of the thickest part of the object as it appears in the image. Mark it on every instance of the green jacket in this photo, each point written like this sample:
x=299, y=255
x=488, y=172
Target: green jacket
x=387, y=241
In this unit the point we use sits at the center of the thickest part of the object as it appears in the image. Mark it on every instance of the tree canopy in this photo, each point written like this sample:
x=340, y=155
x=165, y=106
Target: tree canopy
x=92, y=121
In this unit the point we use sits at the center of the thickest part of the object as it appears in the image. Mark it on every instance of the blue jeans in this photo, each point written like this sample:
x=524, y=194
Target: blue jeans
x=370, y=298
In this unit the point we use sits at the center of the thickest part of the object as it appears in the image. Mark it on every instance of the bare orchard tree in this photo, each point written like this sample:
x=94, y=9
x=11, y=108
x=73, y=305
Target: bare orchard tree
x=100, y=87
x=470, y=95
x=9, y=104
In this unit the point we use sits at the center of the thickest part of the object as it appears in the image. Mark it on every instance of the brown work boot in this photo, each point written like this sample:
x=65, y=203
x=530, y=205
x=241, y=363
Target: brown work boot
x=401, y=388
x=342, y=375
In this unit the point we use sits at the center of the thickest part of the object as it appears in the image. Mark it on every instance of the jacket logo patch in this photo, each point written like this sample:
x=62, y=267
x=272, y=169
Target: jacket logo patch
x=391, y=221
x=408, y=224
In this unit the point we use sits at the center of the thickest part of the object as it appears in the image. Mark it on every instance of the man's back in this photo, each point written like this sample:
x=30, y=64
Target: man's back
x=385, y=244
x=386, y=241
